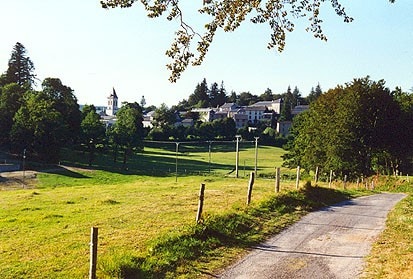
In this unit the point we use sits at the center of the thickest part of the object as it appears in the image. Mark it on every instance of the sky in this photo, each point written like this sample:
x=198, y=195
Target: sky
x=93, y=50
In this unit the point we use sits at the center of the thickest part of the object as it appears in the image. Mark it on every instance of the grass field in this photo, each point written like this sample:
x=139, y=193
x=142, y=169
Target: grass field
x=141, y=211
x=392, y=254
x=44, y=232
x=191, y=158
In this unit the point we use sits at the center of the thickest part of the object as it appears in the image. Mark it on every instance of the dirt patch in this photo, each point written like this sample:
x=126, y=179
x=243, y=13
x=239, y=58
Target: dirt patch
x=15, y=180
x=18, y=180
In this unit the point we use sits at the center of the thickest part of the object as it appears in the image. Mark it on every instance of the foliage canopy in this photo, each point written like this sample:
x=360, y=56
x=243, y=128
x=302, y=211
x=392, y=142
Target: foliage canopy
x=354, y=130
x=228, y=15
x=20, y=68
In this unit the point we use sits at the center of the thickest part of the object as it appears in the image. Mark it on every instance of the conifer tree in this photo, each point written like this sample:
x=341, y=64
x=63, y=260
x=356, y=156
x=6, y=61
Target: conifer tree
x=20, y=68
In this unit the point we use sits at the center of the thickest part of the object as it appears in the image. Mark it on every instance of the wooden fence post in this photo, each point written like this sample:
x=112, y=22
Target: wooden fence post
x=250, y=184
x=345, y=181
x=331, y=178
x=297, y=182
x=93, y=252
x=277, y=180
x=201, y=202
x=316, y=175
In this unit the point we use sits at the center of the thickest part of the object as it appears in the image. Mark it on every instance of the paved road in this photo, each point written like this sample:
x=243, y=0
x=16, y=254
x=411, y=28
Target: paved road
x=330, y=243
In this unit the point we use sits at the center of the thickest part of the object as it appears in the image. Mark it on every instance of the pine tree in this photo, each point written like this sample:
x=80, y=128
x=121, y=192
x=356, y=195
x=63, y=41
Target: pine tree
x=297, y=97
x=222, y=95
x=20, y=68
x=287, y=105
x=200, y=97
x=267, y=95
x=213, y=94
x=314, y=94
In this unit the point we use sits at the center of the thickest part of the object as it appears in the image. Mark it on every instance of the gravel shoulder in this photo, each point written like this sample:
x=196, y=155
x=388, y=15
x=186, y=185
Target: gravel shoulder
x=329, y=243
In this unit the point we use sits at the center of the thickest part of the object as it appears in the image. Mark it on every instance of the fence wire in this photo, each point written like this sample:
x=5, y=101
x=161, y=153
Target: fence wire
x=209, y=157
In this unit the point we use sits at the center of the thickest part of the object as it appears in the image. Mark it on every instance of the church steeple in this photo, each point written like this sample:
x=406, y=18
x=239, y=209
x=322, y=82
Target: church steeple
x=112, y=107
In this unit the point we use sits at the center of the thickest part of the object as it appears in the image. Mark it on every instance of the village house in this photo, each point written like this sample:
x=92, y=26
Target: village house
x=274, y=105
x=255, y=113
x=205, y=114
x=147, y=119
x=283, y=127
x=242, y=115
x=299, y=109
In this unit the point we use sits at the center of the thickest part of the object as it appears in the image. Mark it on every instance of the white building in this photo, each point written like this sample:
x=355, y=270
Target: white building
x=283, y=127
x=255, y=113
x=274, y=105
x=205, y=114
x=112, y=107
x=147, y=119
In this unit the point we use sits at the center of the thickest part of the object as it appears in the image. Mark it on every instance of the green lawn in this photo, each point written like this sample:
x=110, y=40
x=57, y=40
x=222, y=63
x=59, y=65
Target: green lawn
x=191, y=158
x=44, y=232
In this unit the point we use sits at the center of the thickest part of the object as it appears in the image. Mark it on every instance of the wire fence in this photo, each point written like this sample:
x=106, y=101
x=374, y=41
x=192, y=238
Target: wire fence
x=213, y=157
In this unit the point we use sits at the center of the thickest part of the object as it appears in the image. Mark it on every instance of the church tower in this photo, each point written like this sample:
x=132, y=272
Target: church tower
x=112, y=107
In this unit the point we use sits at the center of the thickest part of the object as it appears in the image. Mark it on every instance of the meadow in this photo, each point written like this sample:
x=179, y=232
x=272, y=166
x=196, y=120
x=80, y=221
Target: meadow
x=44, y=231
x=392, y=253
x=146, y=213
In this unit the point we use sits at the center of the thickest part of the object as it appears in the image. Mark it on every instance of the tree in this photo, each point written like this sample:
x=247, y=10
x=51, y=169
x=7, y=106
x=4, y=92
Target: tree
x=228, y=16
x=314, y=94
x=405, y=147
x=213, y=94
x=233, y=98
x=92, y=130
x=297, y=98
x=65, y=102
x=86, y=109
x=182, y=106
x=229, y=129
x=352, y=129
x=20, y=68
x=222, y=95
x=200, y=97
x=217, y=95
x=127, y=131
x=267, y=95
x=11, y=98
x=163, y=117
x=246, y=99
x=287, y=106
x=207, y=131
x=38, y=127
x=163, y=123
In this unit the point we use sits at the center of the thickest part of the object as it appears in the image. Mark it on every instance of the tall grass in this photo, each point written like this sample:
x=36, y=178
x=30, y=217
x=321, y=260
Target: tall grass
x=392, y=253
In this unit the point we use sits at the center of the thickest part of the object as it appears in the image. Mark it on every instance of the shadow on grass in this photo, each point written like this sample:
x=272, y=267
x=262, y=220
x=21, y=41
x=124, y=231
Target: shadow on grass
x=173, y=255
x=153, y=163
x=66, y=172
